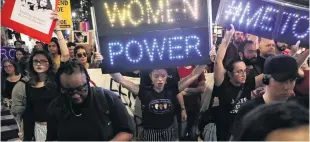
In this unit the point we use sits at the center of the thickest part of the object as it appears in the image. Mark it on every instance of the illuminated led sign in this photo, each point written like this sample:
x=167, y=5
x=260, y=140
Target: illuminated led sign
x=155, y=50
x=8, y=52
x=148, y=34
x=266, y=18
x=134, y=16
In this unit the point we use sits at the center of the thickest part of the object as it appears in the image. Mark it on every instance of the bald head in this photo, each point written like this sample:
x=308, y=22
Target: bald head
x=267, y=47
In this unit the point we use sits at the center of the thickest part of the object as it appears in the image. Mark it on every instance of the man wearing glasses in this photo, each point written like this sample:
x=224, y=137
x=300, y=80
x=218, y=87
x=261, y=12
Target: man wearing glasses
x=84, y=113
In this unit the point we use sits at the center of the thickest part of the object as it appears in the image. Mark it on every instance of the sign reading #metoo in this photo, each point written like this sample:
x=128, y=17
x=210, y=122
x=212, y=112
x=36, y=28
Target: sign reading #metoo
x=266, y=18
x=146, y=34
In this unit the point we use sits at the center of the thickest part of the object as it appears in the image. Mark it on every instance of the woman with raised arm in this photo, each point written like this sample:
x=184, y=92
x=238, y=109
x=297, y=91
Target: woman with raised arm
x=32, y=95
x=232, y=87
x=58, y=46
x=158, y=103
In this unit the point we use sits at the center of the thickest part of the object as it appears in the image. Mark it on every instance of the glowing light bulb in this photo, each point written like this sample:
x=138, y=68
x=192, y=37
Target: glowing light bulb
x=151, y=51
x=300, y=35
x=129, y=12
x=151, y=15
x=113, y=51
x=193, y=9
x=127, y=51
x=116, y=12
x=189, y=47
x=172, y=48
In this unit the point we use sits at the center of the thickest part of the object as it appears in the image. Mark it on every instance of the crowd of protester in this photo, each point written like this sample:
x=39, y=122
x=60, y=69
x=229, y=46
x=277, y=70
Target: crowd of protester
x=260, y=92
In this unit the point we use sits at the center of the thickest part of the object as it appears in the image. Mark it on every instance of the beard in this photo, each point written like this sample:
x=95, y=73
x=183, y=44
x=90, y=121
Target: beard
x=238, y=41
x=251, y=61
x=266, y=55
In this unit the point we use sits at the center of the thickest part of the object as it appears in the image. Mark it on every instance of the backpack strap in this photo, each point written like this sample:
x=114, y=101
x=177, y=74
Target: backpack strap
x=103, y=103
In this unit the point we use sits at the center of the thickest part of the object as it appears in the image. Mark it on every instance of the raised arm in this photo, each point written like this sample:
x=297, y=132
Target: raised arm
x=185, y=82
x=259, y=81
x=302, y=58
x=132, y=87
x=199, y=89
x=219, y=70
x=62, y=42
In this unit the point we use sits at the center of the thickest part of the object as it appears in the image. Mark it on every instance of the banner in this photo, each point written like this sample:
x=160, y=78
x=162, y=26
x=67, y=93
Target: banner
x=8, y=53
x=64, y=11
x=147, y=34
x=32, y=18
x=266, y=18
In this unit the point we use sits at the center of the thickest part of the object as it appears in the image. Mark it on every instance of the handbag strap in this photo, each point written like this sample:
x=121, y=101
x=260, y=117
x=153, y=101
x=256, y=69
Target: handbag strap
x=238, y=97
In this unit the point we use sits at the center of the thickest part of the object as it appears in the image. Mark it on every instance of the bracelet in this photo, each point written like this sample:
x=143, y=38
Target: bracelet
x=182, y=109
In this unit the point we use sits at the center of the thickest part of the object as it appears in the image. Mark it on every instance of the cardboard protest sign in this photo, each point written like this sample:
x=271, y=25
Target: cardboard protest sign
x=146, y=34
x=266, y=18
x=31, y=17
x=64, y=11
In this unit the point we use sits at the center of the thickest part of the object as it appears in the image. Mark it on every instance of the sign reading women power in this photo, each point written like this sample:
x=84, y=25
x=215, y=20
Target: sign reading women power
x=266, y=18
x=146, y=34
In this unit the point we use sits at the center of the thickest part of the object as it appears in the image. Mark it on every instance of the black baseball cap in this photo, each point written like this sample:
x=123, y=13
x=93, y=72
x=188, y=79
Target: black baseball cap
x=281, y=67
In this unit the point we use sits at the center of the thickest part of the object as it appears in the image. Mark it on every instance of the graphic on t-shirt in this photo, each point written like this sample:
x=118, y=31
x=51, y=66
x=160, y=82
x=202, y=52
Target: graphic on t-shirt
x=238, y=105
x=160, y=106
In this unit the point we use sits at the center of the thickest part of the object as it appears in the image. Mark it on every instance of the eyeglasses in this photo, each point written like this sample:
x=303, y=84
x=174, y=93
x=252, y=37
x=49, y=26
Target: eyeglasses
x=8, y=66
x=80, y=55
x=240, y=72
x=71, y=91
x=52, y=45
x=41, y=62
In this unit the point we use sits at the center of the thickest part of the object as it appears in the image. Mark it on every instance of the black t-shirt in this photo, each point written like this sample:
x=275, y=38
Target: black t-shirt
x=64, y=126
x=173, y=77
x=255, y=71
x=158, y=108
x=7, y=93
x=244, y=109
x=227, y=93
x=40, y=98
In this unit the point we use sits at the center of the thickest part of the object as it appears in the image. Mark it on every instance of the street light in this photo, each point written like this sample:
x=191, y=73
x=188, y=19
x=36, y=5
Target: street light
x=73, y=14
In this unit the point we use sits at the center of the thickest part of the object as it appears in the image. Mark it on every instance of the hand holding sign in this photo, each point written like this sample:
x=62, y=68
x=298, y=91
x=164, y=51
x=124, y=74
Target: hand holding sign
x=229, y=34
x=97, y=58
x=295, y=48
x=55, y=16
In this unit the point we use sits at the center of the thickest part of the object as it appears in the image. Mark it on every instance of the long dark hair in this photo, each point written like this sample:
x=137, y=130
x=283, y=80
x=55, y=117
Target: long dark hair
x=55, y=40
x=50, y=74
x=21, y=50
x=17, y=70
x=4, y=75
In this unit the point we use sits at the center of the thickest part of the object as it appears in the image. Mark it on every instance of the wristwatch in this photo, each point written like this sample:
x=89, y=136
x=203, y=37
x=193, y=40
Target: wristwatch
x=182, y=109
x=57, y=31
